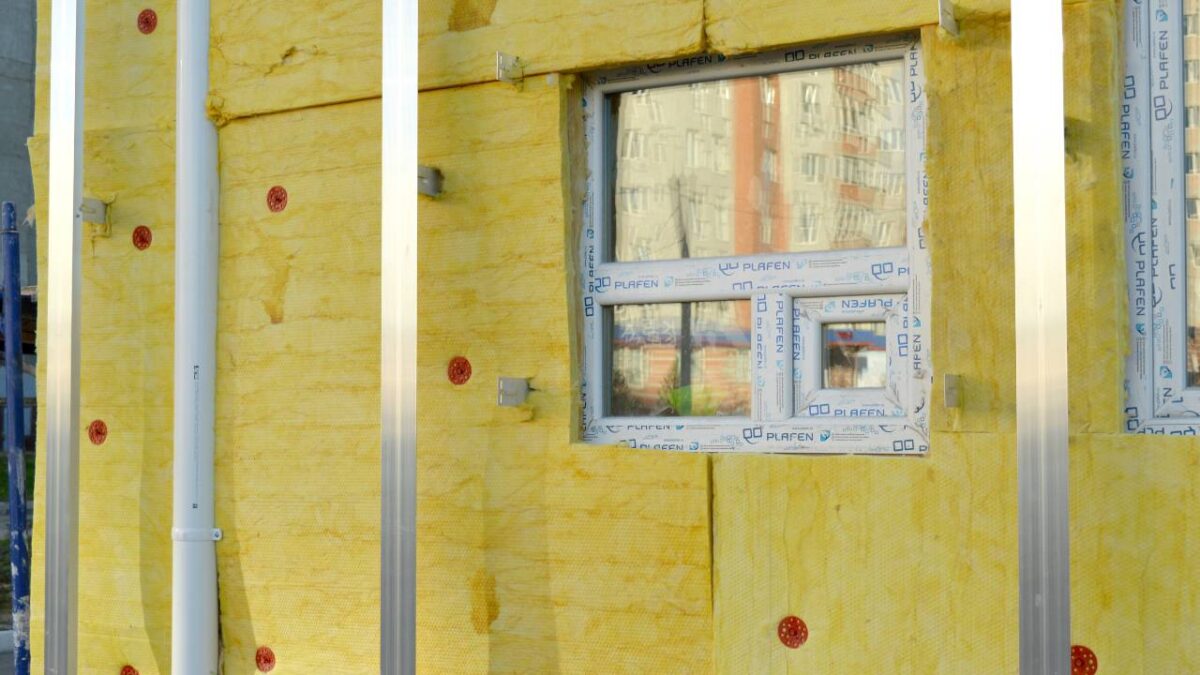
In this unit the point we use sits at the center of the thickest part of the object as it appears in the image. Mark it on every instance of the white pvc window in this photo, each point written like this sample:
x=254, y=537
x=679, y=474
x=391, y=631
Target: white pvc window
x=776, y=297
x=1159, y=142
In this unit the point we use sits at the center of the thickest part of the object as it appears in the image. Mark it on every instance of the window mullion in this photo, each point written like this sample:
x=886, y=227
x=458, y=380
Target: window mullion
x=772, y=388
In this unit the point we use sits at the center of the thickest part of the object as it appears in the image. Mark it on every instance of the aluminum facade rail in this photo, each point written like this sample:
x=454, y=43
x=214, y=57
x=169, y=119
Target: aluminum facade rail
x=399, y=338
x=1039, y=239
x=63, y=281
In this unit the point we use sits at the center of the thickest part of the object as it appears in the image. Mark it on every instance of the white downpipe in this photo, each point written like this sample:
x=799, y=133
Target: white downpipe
x=194, y=648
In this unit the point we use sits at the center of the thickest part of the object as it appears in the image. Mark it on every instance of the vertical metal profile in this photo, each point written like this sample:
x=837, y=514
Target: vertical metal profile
x=63, y=281
x=399, y=338
x=1039, y=191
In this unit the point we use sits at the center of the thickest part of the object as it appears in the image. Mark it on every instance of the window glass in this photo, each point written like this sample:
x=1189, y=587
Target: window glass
x=681, y=359
x=855, y=355
x=1191, y=92
x=802, y=161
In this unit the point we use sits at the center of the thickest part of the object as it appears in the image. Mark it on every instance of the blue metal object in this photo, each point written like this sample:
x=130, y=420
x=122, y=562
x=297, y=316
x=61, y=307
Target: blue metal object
x=14, y=426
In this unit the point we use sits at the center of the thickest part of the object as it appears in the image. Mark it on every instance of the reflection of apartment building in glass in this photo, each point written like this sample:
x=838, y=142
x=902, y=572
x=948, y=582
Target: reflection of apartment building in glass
x=842, y=132
x=802, y=161
x=1191, y=97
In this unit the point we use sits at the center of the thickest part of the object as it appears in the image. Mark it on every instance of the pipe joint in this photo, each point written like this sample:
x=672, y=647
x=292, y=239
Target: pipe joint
x=197, y=534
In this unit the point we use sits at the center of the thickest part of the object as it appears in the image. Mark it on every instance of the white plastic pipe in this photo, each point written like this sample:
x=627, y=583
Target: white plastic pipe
x=194, y=567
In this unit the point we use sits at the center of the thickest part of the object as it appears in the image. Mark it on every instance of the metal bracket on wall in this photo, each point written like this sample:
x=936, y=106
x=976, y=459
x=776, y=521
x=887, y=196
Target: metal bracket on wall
x=509, y=69
x=429, y=180
x=512, y=391
x=94, y=212
x=946, y=17
x=952, y=391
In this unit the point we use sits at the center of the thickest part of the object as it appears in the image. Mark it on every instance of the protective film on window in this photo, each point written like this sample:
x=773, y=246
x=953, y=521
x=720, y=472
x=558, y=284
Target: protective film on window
x=734, y=209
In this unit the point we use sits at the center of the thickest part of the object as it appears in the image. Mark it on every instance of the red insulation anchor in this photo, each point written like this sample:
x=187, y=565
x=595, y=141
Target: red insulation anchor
x=142, y=237
x=792, y=632
x=1083, y=661
x=264, y=659
x=97, y=432
x=277, y=198
x=459, y=370
x=147, y=21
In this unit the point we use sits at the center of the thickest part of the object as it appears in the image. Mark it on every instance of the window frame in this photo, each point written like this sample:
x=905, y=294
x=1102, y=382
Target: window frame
x=776, y=284
x=1154, y=214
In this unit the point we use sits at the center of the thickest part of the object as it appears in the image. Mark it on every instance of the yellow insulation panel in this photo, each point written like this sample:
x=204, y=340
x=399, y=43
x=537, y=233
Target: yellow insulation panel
x=895, y=565
x=297, y=435
x=269, y=55
x=734, y=26
x=1134, y=498
x=534, y=555
x=969, y=161
x=130, y=76
x=1135, y=540
x=537, y=554
x=1096, y=284
x=126, y=337
x=903, y=565
x=847, y=543
x=460, y=38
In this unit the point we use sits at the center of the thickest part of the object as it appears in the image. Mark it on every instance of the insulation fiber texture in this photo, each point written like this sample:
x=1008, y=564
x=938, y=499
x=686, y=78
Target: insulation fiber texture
x=297, y=434
x=904, y=565
x=538, y=554
x=460, y=38
x=535, y=555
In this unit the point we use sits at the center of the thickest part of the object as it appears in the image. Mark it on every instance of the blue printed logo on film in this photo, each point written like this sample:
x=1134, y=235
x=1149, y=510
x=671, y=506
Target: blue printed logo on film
x=694, y=446
x=904, y=444
x=826, y=435
x=1161, y=15
x=1131, y=421
x=752, y=435
x=1165, y=372
x=589, y=306
x=603, y=283
x=1162, y=108
x=1128, y=172
x=1140, y=328
x=882, y=270
x=728, y=268
x=818, y=409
